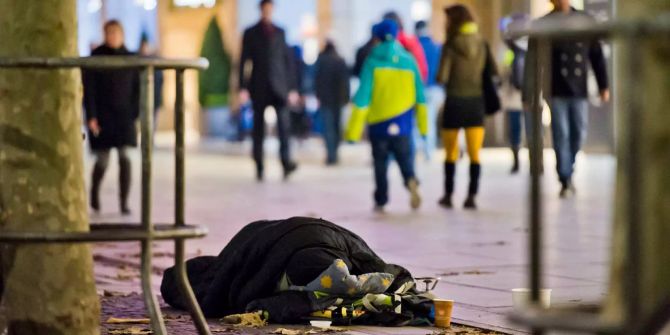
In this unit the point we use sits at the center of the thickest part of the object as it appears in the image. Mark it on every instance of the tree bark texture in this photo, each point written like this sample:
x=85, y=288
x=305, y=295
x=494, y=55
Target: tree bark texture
x=653, y=150
x=48, y=289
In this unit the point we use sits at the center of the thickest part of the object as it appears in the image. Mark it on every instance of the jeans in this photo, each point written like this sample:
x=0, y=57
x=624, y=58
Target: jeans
x=515, y=117
x=569, y=123
x=332, y=131
x=434, y=100
x=518, y=120
x=382, y=148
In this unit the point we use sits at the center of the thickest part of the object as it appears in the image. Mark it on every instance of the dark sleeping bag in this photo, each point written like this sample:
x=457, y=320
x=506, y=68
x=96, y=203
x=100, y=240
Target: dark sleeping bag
x=251, y=266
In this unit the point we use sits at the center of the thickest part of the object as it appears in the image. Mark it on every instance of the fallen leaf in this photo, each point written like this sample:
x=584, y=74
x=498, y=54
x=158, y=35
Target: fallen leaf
x=477, y=273
x=222, y=330
x=448, y=274
x=113, y=320
x=284, y=331
x=131, y=331
x=114, y=294
x=245, y=320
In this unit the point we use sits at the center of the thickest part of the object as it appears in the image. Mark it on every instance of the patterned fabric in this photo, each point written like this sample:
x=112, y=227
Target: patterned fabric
x=337, y=280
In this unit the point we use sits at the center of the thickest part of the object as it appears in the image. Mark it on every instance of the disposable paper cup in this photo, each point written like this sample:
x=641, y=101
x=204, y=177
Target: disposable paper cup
x=320, y=324
x=443, y=309
x=521, y=298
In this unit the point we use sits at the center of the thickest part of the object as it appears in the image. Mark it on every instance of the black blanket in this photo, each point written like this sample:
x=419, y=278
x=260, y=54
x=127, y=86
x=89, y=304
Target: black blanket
x=250, y=267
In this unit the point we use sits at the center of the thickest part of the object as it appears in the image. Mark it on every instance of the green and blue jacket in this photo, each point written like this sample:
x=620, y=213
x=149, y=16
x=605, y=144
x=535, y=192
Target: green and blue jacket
x=390, y=95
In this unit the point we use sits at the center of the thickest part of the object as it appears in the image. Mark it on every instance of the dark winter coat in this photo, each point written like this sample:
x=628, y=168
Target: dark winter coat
x=273, y=67
x=248, y=270
x=112, y=97
x=332, y=80
x=361, y=55
x=570, y=60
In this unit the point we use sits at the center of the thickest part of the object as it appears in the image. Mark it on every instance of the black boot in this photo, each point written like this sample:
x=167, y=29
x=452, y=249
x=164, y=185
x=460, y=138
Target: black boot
x=96, y=180
x=260, y=175
x=449, y=175
x=289, y=168
x=125, y=176
x=475, y=172
x=515, y=154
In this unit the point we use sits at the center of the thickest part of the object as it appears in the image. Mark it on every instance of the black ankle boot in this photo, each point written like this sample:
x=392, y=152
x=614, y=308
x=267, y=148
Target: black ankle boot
x=515, y=166
x=449, y=176
x=96, y=180
x=125, y=177
x=470, y=202
x=475, y=173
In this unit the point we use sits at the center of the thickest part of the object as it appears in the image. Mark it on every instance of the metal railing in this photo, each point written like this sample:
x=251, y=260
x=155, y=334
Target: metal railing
x=146, y=231
x=629, y=34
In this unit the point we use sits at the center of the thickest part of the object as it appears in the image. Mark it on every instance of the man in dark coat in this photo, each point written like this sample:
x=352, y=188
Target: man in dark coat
x=568, y=93
x=272, y=83
x=362, y=54
x=111, y=100
x=332, y=90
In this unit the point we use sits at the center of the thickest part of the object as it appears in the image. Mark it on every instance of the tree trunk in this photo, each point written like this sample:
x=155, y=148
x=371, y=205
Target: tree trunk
x=653, y=151
x=48, y=289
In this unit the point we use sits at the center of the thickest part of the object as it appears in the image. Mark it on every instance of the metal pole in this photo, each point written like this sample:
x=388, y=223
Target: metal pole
x=180, y=262
x=635, y=192
x=536, y=163
x=146, y=114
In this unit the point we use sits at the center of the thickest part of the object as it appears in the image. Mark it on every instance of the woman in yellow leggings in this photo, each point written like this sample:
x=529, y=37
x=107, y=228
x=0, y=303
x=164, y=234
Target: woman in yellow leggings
x=462, y=64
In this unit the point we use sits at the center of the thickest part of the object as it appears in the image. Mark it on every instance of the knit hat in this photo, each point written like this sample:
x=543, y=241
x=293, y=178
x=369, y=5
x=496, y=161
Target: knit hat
x=386, y=30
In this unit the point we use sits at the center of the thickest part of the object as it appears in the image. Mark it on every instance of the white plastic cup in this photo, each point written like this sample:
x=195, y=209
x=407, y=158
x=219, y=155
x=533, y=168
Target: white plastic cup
x=321, y=324
x=521, y=298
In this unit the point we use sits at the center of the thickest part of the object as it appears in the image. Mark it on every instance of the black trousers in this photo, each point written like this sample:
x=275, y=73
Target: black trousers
x=283, y=129
x=100, y=167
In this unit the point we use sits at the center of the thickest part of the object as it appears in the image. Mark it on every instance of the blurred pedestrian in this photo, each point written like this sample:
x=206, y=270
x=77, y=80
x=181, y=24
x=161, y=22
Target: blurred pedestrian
x=272, y=83
x=389, y=98
x=300, y=123
x=464, y=59
x=568, y=94
x=362, y=54
x=147, y=51
x=411, y=44
x=513, y=84
x=332, y=91
x=434, y=91
x=111, y=100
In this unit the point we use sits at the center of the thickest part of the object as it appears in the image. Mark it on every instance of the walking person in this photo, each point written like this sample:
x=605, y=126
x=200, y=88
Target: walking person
x=271, y=83
x=145, y=50
x=332, y=91
x=512, y=86
x=389, y=99
x=434, y=92
x=568, y=94
x=464, y=59
x=111, y=100
x=411, y=44
x=362, y=54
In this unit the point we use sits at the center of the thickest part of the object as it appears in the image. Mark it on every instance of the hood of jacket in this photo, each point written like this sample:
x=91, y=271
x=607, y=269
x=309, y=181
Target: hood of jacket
x=467, y=42
x=388, y=51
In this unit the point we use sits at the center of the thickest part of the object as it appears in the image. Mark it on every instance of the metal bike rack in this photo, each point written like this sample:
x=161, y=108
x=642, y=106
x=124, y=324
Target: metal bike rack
x=146, y=231
x=575, y=320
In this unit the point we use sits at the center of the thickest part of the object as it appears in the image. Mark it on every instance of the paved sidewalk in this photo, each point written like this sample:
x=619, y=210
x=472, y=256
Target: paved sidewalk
x=479, y=255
